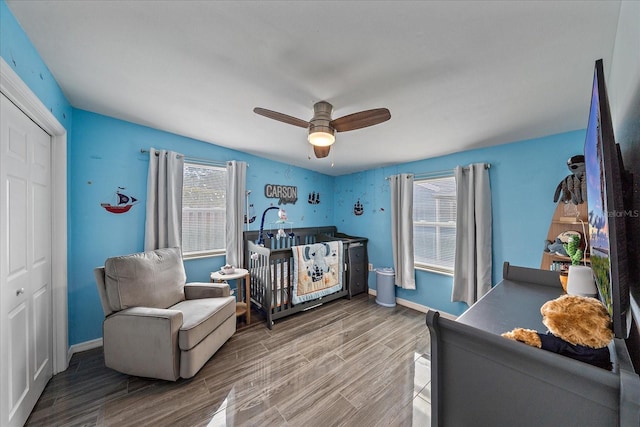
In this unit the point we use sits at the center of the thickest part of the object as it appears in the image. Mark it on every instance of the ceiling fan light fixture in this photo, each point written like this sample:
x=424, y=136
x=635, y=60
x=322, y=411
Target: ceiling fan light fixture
x=322, y=128
x=321, y=138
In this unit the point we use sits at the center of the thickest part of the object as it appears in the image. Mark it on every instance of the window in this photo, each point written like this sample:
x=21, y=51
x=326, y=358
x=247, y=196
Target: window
x=434, y=223
x=203, y=210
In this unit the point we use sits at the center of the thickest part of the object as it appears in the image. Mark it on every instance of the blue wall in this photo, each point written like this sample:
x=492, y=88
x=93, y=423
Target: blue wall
x=523, y=178
x=105, y=154
x=19, y=53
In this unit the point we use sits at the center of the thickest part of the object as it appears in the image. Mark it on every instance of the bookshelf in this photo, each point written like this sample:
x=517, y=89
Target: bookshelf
x=566, y=217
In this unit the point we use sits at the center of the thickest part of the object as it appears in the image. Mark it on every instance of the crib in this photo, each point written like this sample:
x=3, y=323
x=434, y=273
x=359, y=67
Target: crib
x=271, y=271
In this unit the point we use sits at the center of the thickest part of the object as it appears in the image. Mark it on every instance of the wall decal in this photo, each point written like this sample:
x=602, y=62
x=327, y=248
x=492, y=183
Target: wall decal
x=122, y=203
x=285, y=193
x=358, y=209
x=252, y=215
x=314, y=198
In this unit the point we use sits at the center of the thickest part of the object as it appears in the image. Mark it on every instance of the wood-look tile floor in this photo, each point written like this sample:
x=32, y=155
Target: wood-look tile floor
x=346, y=363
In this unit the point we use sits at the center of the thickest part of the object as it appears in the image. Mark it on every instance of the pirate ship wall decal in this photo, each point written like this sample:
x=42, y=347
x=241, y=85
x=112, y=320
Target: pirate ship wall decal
x=314, y=198
x=122, y=202
x=358, y=209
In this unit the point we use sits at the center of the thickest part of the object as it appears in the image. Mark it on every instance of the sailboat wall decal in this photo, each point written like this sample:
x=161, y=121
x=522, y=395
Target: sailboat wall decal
x=123, y=202
x=252, y=215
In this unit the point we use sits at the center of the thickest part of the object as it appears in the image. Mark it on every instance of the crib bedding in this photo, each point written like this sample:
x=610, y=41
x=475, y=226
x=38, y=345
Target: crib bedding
x=317, y=270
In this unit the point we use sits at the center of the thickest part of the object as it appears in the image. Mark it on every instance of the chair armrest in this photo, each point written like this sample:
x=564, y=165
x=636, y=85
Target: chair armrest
x=99, y=274
x=143, y=341
x=198, y=290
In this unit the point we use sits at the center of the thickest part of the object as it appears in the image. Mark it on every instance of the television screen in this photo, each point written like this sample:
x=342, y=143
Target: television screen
x=605, y=174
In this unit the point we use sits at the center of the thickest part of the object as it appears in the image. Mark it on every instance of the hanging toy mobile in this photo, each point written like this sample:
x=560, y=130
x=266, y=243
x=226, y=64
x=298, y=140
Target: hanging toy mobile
x=261, y=236
x=282, y=215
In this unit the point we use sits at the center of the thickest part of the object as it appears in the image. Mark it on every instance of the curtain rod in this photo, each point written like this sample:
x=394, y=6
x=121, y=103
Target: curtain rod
x=442, y=173
x=197, y=159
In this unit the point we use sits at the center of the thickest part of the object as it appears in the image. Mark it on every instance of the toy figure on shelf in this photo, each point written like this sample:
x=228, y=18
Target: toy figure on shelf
x=573, y=188
x=573, y=249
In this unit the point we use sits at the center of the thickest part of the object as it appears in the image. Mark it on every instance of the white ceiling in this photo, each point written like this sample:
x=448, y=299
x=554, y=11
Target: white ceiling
x=456, y=75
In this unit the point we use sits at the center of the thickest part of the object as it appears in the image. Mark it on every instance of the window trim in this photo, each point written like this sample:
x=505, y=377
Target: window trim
x=204, y=254
x=427, y=267
x=433, y=269
x=207, y=253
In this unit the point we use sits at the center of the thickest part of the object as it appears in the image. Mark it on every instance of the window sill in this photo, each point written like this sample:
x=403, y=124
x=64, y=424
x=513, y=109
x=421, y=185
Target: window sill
x=207, y=254
x=428, y=269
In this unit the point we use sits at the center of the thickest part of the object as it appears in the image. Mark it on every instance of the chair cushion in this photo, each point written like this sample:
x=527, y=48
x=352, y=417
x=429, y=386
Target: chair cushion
x=147, y=279
x=201, y=317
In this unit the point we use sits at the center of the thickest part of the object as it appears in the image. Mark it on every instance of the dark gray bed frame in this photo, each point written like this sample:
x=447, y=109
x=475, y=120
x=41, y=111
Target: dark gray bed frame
x=479, y=378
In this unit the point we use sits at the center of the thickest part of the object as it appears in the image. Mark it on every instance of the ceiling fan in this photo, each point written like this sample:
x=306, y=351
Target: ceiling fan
x=322, y=128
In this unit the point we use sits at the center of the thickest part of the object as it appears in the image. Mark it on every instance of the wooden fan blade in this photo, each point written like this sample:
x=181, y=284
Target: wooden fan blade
x=361, y=120
x=321, y=152
x=281, y=117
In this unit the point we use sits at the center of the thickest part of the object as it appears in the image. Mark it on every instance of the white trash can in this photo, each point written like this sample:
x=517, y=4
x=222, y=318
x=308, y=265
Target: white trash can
x=385, y=287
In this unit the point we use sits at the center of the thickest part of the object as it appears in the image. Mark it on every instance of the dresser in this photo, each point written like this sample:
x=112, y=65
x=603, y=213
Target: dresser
x=357, y=266
x=356, y=261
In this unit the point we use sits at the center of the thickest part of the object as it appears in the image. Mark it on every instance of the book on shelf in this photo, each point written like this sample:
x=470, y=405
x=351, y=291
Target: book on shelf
x=560, y=266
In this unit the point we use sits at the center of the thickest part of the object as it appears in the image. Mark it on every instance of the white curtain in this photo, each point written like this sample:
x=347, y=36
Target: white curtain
x=402, y=229
x=163, y=225
x=472, y=274
x=236, y=183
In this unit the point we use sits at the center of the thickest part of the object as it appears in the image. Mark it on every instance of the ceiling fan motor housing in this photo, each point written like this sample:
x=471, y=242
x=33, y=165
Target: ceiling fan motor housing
x=321, y=121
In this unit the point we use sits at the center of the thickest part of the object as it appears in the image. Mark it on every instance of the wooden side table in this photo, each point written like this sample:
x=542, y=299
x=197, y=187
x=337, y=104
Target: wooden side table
x=243, y=305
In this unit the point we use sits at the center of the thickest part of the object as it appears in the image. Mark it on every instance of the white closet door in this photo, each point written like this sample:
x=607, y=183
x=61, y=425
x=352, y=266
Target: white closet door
x=25, y=264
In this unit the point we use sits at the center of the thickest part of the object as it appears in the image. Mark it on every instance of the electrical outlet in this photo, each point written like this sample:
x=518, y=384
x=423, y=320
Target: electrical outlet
x=370, y=267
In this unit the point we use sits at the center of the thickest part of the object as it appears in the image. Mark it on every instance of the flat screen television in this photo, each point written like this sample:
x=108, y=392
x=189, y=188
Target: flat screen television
x=606, y=180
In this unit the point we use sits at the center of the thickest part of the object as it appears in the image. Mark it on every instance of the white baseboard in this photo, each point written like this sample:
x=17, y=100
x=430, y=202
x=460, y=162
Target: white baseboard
x=415, y=306
x=83, y=346
x=88, y=345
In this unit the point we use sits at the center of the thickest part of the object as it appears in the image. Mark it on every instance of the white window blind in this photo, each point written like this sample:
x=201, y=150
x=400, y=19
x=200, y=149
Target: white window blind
x=203, y=209
x=434, y=223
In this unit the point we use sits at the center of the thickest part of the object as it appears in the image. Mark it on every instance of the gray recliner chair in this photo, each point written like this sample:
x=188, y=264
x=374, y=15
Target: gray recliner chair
x=157, y=325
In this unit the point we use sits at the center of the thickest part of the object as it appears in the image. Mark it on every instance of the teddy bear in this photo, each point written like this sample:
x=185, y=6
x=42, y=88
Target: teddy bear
x=578, y=327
